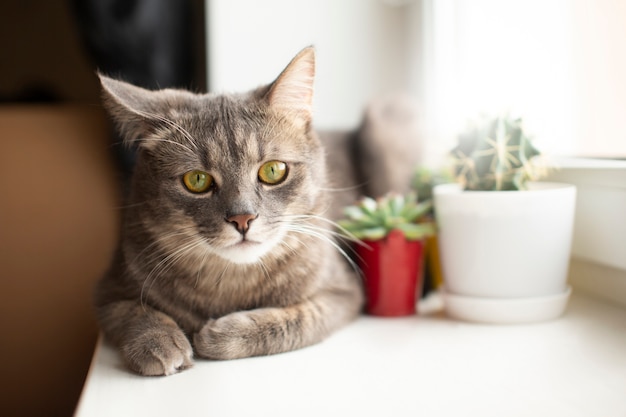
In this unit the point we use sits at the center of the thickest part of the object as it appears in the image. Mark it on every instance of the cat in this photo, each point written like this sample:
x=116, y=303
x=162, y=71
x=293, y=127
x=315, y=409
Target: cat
x=226, y=248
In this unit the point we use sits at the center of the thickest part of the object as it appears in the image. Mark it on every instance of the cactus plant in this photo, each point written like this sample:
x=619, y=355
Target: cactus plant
x=371, y=219
x=496, y=155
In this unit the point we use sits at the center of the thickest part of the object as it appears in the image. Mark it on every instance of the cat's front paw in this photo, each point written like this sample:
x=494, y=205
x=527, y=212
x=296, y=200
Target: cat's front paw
x=162, y=351
x=230, y=337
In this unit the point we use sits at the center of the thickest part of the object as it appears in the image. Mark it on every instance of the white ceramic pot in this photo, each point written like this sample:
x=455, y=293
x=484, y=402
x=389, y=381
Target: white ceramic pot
x=505, y=251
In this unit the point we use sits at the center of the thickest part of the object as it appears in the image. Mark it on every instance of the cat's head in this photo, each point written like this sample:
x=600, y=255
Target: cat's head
x=227, y=174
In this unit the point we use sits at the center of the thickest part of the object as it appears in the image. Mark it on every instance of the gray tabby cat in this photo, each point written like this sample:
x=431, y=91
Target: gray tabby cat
x=225, y=251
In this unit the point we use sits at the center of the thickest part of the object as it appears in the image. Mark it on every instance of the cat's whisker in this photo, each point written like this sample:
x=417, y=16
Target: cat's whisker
x=301, y=220
x=345, y=235
x=154, y=245
x=205, y=254
x=340, y=237
x=126, y=206
x=157, y=272
x=159, y=239
x=218, y=281
x=116, y=143
x=201, y=267
x=344, y=189
x=265, y=270
x=165, y=265
x=313, y=233
x=289, y=247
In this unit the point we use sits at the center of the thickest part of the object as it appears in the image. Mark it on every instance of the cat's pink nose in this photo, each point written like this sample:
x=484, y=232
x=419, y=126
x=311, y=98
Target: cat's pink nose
x=242, y=221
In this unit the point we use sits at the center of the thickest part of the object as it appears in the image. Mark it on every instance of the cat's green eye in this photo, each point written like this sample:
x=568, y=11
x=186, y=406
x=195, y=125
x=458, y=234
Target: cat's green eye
x=197, y=181
x=273, y=172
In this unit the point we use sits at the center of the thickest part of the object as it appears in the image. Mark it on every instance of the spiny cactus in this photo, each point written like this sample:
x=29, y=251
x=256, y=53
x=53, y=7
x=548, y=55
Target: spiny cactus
x=371, y=219
x=496, y=155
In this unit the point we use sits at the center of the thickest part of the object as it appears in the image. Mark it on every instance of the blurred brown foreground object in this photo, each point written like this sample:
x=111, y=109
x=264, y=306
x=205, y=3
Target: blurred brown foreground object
x=58, y=225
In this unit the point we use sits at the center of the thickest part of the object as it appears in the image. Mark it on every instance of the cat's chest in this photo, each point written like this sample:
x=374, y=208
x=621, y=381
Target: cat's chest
x=213, y=293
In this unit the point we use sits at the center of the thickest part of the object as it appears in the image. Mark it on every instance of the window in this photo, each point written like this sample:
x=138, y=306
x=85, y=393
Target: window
x=559, y=64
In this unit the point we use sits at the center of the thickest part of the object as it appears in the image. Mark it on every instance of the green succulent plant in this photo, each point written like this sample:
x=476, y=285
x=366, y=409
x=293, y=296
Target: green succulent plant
x=373, y=219
x=494, y=155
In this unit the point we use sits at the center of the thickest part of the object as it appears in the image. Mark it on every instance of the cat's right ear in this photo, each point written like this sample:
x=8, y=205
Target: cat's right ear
x=136, y=111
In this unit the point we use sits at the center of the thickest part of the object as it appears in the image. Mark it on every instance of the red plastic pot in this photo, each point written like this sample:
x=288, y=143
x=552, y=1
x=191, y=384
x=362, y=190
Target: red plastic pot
x=392, y=274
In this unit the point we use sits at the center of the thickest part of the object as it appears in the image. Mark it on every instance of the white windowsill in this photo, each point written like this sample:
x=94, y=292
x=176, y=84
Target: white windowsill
x=590, y=163
x=422, y=365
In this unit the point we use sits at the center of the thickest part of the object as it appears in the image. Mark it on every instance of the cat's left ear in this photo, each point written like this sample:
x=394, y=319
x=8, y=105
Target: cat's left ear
x=292, y=92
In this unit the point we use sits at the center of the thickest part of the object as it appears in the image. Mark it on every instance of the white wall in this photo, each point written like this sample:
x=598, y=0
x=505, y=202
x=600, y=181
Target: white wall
x=360, y=47
x=560, y=64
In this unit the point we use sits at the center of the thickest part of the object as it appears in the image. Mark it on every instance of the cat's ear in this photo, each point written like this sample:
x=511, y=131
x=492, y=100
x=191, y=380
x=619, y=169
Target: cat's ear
x=292, y=92
x=137, y=111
